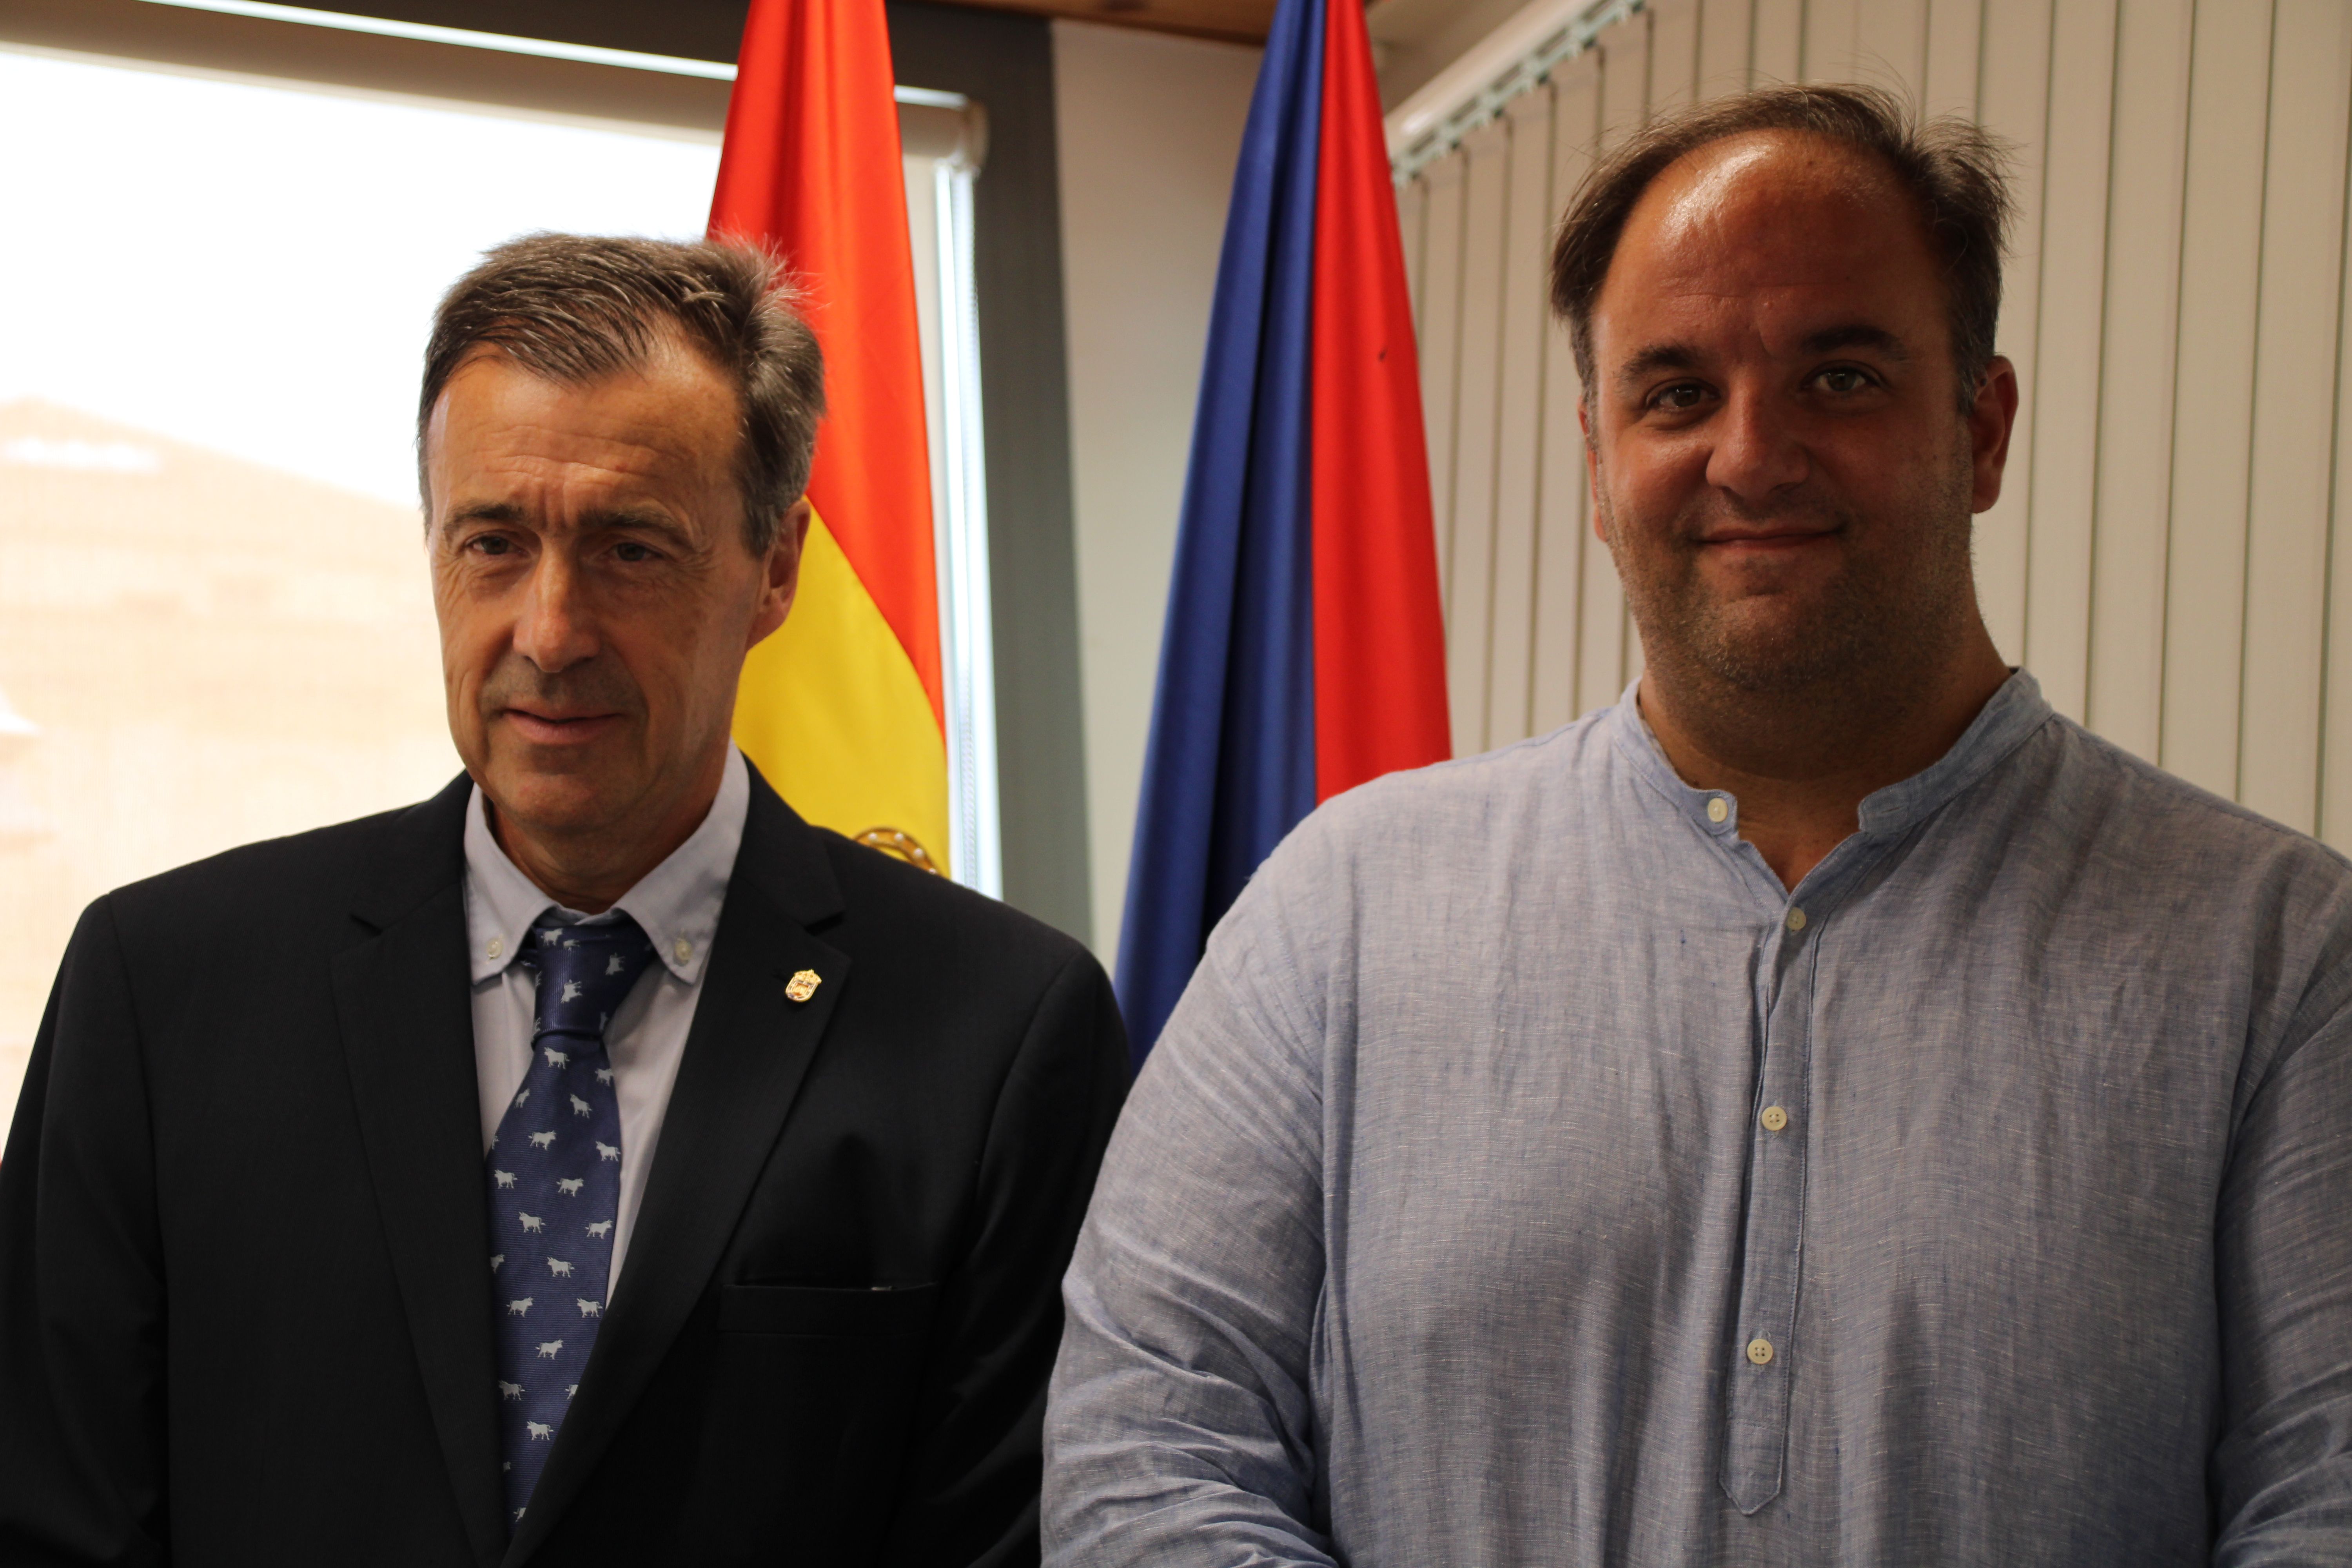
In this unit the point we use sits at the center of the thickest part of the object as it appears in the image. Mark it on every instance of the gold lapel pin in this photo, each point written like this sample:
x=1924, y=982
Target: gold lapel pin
x=803, y=986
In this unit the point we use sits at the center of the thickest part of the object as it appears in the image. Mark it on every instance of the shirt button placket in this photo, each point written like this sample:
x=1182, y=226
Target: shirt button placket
x=1757, y=1382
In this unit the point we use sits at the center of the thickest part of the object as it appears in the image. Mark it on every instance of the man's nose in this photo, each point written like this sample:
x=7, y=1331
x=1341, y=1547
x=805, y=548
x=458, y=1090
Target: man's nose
x=1758, y=450
x=555, y=629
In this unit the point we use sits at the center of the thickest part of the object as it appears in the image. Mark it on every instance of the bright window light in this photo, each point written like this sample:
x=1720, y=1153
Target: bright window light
x=214, y=622
x=942, y=162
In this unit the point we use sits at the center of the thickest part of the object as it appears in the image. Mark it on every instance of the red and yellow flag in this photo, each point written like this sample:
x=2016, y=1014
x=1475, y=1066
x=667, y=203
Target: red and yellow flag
x=842, y=709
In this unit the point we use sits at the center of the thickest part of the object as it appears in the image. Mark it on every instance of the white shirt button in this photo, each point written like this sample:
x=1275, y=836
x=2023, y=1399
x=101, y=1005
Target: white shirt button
x=1717, y=809
x=1796, y=920
x=1774, y=1119
x=683, y=948
x=498, y=946
x=1760, y=1351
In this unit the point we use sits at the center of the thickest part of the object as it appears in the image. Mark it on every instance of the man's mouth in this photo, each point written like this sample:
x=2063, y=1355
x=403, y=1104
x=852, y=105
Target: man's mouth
x=1766, y=541
x=559, y=729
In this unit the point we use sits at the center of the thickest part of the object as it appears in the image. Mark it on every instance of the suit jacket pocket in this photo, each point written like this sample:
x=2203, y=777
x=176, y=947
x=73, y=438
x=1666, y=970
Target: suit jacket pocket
x=807, y=1405
x=827, y=1311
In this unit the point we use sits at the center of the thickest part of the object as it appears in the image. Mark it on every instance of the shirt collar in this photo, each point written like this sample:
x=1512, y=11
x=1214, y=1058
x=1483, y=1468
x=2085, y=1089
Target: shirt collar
x=2013, y=712
x=2001, y=726
x=675, y=903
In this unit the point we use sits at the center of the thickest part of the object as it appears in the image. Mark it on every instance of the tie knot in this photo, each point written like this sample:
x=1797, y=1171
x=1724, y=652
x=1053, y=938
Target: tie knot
x=584, y=972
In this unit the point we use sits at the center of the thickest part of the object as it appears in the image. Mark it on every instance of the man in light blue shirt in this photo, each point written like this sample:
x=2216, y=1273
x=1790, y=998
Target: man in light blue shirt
x=1827, y=1107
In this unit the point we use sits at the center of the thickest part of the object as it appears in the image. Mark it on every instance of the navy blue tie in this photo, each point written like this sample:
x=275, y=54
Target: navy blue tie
x=555, y=1186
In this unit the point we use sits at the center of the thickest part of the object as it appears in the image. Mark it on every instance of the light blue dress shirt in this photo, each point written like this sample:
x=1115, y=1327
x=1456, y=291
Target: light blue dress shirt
x=676, y=905
x=1528, y=1177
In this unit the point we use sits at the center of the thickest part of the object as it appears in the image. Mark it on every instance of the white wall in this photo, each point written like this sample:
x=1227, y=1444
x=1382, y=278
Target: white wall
x=1412, y=41
x=1150, y=127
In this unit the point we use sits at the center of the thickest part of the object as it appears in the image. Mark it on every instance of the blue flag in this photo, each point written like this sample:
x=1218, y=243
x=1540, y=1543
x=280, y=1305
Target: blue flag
x=1304, y=649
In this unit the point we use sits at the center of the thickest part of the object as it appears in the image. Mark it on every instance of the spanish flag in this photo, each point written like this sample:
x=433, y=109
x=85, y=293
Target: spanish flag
x=842, y=709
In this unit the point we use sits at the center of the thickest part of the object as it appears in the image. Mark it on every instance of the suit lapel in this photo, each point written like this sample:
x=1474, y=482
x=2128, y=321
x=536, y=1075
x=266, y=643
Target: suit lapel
x=746, y=1055
x=408, y=1041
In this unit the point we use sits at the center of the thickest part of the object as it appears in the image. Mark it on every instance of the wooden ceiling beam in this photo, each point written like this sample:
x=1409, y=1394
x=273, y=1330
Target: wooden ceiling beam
x=1236, y=21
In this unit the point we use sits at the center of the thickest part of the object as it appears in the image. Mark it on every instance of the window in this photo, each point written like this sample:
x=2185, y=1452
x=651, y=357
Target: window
x=214, y=622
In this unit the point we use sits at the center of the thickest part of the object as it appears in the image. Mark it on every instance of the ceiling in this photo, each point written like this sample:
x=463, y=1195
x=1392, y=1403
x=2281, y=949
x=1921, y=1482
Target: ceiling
x=1415, y=39
x=1412, y=41
x=1240, y=21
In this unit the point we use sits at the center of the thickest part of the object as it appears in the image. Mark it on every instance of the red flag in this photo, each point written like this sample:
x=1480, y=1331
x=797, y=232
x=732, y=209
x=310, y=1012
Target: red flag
x=1380, y=636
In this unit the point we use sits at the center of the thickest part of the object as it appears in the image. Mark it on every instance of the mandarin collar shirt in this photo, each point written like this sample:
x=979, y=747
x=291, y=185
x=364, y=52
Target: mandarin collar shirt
x=1528, y=1176
x=676, y=905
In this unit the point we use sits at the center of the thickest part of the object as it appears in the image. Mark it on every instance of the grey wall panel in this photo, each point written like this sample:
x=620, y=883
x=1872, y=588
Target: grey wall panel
x=2283, y=679
x=2013, y=92
x=1520, y=447
x=1440, y=339
x=1005, y=62
x=1726, y=46
x=2063, y=390
x=2204, y=620
x=2142, y=298
x=1564, y=536
x=1469, y=578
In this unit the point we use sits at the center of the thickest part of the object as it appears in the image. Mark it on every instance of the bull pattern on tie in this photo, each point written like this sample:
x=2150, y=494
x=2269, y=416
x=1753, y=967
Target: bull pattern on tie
x=555, y=1187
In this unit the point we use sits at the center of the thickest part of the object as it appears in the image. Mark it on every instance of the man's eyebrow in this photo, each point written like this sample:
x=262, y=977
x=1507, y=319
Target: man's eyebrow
x=1650, y=361
x=597, y=518
x=1660, y=357
x=484, y=511
x=646, y=517
x=1856, y=335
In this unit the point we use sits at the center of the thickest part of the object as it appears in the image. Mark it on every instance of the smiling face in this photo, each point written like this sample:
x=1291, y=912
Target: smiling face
x=595, y=593
x=1779, y=463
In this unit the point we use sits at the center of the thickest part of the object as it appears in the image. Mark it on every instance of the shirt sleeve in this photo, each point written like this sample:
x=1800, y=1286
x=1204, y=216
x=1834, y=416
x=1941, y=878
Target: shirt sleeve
x=1179, y=1426
x=2282, y=1470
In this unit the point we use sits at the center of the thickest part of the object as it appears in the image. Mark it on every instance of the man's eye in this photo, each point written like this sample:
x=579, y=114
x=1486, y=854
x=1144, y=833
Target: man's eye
x=1679, y=397
x=491, y=544
x=634, y=552
x=1843, y=379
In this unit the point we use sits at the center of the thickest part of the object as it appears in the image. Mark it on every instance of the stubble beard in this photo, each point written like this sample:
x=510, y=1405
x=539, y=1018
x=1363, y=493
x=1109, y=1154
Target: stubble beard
x=554, y=794
x=1869, y=642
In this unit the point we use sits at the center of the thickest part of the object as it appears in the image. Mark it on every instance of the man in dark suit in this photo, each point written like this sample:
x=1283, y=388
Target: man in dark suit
x=332, y=1229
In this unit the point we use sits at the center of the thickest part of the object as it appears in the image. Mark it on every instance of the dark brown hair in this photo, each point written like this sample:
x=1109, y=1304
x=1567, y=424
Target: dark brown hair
x=576, y=308
x=1952, y=167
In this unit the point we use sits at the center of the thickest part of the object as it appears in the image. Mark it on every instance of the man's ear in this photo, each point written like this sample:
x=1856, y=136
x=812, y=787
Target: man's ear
x=781, y=572
x=1991, y=416
x=1592, y=470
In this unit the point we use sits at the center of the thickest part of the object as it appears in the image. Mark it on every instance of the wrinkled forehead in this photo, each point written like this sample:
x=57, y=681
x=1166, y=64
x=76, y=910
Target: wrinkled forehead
x=659, y=350
x=668, y=389
x=1769, y=211
x=665, y=429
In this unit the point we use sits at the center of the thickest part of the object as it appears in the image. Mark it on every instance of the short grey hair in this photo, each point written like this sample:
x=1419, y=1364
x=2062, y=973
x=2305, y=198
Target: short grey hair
x=575, y=308
x=1953, y=168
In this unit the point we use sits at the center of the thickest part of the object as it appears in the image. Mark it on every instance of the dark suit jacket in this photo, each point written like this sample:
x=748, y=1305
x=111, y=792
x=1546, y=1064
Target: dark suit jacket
x=244, y=1295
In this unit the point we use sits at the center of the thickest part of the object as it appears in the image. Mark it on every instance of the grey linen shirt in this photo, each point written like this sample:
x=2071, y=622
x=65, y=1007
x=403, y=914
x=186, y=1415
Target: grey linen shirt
x=1528, y=1177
